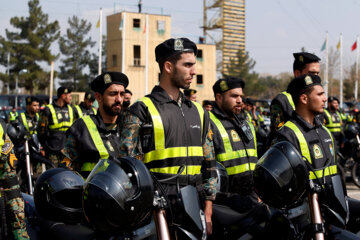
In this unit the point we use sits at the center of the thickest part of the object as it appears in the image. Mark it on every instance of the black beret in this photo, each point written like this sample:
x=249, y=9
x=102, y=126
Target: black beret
x=305, y=57
x=174, y=46
x=31, y=99
x=90, y=95
x=225, y=84
x=250, y=101
x=128, y=91
x=189, y=92
x=297, y=85
x=103, y=81
x=62, y=90
x=207, y=102
x=333, y=98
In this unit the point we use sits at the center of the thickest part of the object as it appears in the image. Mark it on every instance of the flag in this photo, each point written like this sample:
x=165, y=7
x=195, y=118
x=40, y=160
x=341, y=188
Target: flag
x=353, y=47
x=98, y=23
x=338, y=45
x=323, y=46
x=121, y=24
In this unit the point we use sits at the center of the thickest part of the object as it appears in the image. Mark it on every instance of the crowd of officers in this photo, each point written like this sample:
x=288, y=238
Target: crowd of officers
x=184, y=138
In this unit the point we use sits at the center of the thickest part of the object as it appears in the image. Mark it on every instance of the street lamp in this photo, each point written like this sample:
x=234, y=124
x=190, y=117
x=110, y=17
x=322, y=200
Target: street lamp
x=16, y=85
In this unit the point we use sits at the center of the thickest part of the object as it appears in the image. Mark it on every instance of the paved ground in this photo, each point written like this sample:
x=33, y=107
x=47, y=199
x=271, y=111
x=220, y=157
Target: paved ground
x=353, y=190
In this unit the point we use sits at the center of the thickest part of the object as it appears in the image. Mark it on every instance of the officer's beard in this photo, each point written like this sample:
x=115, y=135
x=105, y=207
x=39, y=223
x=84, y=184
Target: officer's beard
x=178, y=80
x=126, y=104
x=109, y=110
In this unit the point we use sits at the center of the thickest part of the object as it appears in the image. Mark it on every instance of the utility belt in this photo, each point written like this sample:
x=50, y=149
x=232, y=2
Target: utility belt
x=183, y=180
x=9, y=182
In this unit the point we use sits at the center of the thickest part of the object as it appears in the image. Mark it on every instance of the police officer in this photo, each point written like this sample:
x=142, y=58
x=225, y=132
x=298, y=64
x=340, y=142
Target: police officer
x=95, y=137
x=190, y=94
x=208, y=105
x=10, y=198
x=13, y=115
x=30, y=118
x=172, y=132
x=127, y=99
x=305, y=131
x=334, y=122
x=235, y=146
x=282, y=105
x=86, y=107
x=55, y=120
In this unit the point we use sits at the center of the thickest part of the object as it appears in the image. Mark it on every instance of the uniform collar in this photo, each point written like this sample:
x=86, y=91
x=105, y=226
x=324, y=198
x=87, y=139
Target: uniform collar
x=161, y=96
x=305, y=124
x=100, y=122
x=56, y=105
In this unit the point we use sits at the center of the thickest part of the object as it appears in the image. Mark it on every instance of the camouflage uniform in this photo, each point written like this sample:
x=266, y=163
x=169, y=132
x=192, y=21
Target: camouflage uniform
x=10, y=193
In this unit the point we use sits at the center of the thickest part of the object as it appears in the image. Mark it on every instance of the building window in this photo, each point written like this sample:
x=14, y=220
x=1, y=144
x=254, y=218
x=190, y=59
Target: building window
x=114, y=60
x=199, y=79
x=137, y=55
x=199, y=56
x=136, y=23
x=161, y=27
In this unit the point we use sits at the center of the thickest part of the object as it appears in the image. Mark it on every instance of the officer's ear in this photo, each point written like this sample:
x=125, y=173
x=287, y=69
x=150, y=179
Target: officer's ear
x=297, y=73
x=218, y=98
x=168, y=67
x=304, y=99
x=98, y=97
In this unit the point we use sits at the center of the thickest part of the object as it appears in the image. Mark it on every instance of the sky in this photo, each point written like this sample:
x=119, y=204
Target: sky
x=274, y=28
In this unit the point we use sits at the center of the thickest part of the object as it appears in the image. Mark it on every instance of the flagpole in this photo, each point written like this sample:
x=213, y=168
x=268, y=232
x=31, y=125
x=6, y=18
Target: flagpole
x=357, y=68
x=327, y=66
x=100, y=43
x=341, y=72
x=147, y=28
x=123, y=43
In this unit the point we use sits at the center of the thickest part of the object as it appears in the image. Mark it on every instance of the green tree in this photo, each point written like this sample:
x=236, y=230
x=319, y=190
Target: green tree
x=75, y=47
x=242, y=67
x=29, y=47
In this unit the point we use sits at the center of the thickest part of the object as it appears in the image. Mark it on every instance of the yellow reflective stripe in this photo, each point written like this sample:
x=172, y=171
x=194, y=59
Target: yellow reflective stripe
x=23, y=118
x=241, y=168
x=159, y=136
x=13, y=116
x=254, y=135
x=333, y=127
x=94, y=110
x=88, y=166
x=56, y=125
x=173, y=153
x=249, y=116
x=201, y=113
x=236, y=154
x=223, y=133
x=79, y=111
x=1, y=138
x=189, y=170
x=303, y=144
x=288, y=95
x=331, y=170
x=95, y=136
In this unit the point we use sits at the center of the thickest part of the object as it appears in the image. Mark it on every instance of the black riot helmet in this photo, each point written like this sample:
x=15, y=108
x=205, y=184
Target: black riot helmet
x=118, y=195
x=222, y=178
x=57, y=195
x=16, y=133
x=281, y=175
x=351, y=130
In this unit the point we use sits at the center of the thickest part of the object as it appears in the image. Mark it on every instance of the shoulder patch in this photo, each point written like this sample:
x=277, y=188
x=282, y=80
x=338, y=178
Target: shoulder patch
x=7, y=147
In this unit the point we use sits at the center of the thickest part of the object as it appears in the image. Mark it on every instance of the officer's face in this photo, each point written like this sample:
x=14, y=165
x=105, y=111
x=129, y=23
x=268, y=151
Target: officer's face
x=67, y=97
x=310, y=68
x=34, y=107
x=193, y=97
x=88, y=103
x=183, y=71
x=230, y=102
x=334, y=105
x=112, y=99
x=316, y=100
x=127, y=97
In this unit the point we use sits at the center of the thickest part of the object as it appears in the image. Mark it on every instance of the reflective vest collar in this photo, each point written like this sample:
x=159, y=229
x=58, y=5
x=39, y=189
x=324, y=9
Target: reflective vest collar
x=289, y=98
x=78, y=108
x=63, y=125
x=333, y=127
x=162, y=97
x=25, y=123
x=162, y=153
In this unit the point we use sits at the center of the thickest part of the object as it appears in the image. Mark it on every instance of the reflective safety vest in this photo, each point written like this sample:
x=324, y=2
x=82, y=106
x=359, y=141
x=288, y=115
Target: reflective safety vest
x=333, y=127
x=305, y=152
x=64, y=125
x=98, y=142
x=13, y=116
x=230, y=154
x=289, y=98
x=160, y=153
x=78, y=108
x=1, y=138
x=24, y=120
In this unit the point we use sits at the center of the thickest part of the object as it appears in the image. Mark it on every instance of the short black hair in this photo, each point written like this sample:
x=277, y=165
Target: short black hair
x=128, y=91
x=296, y=96
x=173, y=59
